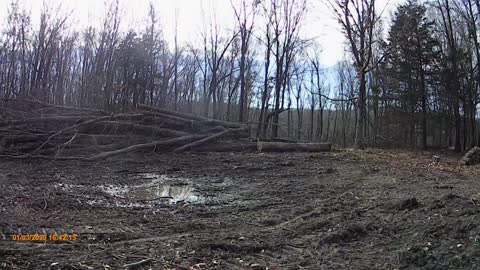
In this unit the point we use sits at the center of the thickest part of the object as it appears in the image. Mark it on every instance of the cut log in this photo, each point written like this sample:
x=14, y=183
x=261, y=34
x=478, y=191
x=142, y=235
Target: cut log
x=293, y=147
x=71, y=128
x=42, y=157
x=264, y=147
x=16, y=131
x=230, y=146
x=78, y=114
x=61, y=118
x=147, y=146
x=114, y=127
x=15, y=139
x=76, y=131
x=101, y=139
x=189, y=122
x=49, y=105
x=190, y=117
x=216, y=129
x=45, y=119
x=278, y=139
x=165, y=123
x=83, y=151
x=208, y=139
x=21, y=148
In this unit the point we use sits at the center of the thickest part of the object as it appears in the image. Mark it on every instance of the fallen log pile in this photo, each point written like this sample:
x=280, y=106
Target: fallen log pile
x=34, y=129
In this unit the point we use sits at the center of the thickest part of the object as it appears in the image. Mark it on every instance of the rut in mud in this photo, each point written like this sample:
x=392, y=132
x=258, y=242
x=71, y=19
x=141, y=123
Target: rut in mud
x=341, y=210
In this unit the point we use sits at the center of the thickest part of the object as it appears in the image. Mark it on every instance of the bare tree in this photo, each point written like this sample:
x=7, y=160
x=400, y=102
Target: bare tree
x=452, y=81
x=265, y=96
x=245, y=16
x=285, y=17
x=357, y=19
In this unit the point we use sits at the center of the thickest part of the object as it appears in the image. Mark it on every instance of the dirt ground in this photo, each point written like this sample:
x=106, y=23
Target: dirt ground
x=370, y=209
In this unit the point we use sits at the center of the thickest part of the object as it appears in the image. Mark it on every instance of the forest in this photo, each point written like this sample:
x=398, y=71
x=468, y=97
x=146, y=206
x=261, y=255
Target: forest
x=413, y=84
x=124, y=147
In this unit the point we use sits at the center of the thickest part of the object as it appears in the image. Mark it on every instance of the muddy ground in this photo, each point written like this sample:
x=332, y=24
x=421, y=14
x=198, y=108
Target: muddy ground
x=371, y=209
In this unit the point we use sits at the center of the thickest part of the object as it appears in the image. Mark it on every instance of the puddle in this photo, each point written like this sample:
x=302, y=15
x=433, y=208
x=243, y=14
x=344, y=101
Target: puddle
x=115, y=191
x=157, y=189
x=174, y=194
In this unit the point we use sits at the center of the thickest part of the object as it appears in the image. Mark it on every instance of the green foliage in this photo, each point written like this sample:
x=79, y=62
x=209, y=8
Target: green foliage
x=414, y=51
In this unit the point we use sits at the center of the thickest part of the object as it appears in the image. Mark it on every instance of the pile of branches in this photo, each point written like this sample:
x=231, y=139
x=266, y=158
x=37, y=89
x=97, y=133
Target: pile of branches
x=33, y=129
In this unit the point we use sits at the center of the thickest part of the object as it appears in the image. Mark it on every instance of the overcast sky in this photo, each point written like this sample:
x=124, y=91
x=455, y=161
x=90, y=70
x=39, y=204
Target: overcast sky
x=319, y=22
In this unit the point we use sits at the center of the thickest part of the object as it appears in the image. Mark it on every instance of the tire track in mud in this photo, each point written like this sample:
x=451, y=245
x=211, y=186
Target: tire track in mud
x=284, y=217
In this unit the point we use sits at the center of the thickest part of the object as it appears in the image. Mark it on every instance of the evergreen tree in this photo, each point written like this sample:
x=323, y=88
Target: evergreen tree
x=413, y=55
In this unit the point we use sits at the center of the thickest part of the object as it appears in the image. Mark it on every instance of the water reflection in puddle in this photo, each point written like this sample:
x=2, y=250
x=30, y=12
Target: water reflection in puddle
x=174, y=194
x=157, y=189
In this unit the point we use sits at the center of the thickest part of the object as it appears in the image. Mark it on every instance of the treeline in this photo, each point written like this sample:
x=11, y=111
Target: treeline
x=417, y=82
x=425, y=90
x=413, y=85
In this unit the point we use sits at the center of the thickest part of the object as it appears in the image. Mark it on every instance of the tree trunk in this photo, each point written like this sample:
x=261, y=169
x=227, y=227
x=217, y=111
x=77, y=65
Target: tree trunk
x=358, y=144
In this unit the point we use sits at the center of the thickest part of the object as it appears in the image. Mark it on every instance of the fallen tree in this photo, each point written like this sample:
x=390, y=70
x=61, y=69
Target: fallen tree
x=207, y=139
x=293, y=147
x=187, y=116
x=34, y=129
x=145, y=146
x=265, y=147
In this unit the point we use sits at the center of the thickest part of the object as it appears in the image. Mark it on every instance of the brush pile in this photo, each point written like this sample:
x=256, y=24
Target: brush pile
x=472, y=157
x=33, y=129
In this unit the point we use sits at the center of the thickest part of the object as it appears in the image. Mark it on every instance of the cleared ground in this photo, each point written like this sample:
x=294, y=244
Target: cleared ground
x=371, y=209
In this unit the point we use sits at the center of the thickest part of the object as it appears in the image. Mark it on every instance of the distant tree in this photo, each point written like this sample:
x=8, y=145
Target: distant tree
x=451, y=75
x=413, y=52
x=357, y=19
x=285, y=17
x=245, y=16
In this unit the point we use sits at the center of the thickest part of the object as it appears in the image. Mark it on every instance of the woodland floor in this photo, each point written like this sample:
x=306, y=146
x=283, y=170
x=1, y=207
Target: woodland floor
x=371, y=209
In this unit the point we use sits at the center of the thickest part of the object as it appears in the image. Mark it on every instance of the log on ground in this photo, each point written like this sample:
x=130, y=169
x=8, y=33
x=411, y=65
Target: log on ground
x=116, y=127
x=293, y=147
x=208, y=139
x=264, y=147
x=151, y=145
x=227, y=146
x=101, y=139
x=203, y=120
x=11, y=139
x=46, y=120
